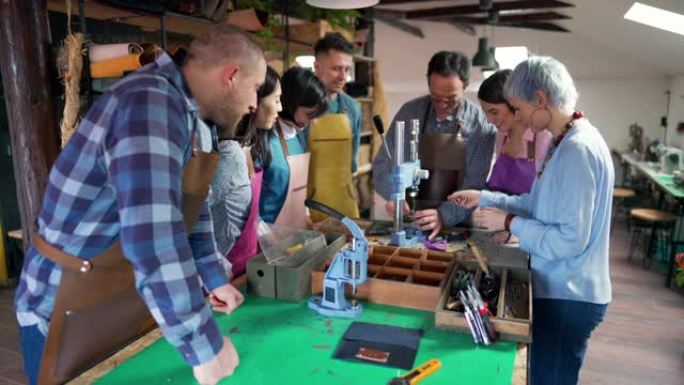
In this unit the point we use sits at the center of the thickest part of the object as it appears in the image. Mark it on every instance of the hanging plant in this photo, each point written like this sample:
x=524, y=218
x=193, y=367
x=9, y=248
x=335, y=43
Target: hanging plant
x=265, y=34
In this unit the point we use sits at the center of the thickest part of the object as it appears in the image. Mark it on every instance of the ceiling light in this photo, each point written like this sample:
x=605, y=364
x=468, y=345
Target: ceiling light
x=342, y=4
x=484, y=56
x=656, y=17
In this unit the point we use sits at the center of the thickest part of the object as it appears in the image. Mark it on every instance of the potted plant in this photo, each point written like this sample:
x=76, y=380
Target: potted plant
x=318, y=22
x=256, y=16
x=679, y=260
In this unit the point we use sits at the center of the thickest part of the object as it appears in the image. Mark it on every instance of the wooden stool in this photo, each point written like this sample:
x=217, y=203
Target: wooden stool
x=619, y=196
x=622, y=193
x=654, y=219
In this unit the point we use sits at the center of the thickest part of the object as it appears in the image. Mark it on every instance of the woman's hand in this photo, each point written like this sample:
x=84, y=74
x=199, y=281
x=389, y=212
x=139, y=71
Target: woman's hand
x=490, y=218
x=466, y=198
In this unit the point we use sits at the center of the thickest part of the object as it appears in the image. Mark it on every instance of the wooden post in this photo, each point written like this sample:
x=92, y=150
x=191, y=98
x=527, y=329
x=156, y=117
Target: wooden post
x=24, y=65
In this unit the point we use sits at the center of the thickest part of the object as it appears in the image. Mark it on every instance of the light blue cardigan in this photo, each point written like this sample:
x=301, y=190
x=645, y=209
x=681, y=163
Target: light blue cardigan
x=564, y=222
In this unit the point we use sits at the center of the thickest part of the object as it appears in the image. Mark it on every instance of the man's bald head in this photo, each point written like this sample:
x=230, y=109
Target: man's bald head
x=225, y=43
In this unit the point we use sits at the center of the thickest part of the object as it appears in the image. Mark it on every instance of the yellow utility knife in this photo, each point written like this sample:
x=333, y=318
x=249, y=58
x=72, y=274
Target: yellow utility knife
x=418, y=374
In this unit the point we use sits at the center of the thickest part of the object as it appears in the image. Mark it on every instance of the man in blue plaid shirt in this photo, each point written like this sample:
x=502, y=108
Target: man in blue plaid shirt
x=120, y=177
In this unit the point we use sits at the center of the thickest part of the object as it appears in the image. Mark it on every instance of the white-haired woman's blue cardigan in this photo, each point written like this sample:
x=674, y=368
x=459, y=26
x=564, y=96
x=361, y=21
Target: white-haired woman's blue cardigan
x=564, y=222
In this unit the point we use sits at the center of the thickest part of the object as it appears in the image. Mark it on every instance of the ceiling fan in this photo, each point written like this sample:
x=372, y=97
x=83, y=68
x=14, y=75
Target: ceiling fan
x=529, y=14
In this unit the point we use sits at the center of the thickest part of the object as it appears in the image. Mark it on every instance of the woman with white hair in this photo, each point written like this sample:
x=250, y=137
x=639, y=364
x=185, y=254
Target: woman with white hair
x=563, y=222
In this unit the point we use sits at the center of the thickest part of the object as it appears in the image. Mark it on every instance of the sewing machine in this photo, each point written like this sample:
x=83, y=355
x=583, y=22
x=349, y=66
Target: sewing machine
x=349, y=266
x=406, y=176
x=671, y=159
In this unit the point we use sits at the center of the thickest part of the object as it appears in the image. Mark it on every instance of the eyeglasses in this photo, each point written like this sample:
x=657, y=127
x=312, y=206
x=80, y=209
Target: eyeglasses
x=451, y=100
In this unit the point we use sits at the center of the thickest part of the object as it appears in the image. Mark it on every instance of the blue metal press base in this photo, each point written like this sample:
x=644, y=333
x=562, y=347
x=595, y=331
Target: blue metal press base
x=406, y=238
x=316, y=304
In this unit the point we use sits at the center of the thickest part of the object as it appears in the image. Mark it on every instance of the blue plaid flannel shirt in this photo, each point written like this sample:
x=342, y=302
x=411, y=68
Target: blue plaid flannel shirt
x=120, y=176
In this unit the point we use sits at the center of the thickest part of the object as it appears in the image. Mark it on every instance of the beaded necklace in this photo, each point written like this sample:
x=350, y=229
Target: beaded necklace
x=556, y=141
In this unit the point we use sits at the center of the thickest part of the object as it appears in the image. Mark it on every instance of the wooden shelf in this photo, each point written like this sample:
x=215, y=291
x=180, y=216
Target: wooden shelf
x=362, y=170
x=364, y=58
x=173, y=22
x=15, y=234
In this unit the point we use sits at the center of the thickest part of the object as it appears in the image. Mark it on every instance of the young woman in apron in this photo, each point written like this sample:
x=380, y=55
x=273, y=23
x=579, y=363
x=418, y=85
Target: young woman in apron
x=282, y=151
x=519, y=151
x=236, y=186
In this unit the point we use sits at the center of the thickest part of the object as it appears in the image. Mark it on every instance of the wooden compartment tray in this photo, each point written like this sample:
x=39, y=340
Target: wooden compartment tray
x=409, y=278
x=513, y=319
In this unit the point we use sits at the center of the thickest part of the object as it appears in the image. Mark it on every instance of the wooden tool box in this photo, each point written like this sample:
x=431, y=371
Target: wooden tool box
x=409, y=278
x=513, y=314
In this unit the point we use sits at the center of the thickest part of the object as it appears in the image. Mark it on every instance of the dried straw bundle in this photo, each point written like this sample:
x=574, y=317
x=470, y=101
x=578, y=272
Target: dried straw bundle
x=73, y=45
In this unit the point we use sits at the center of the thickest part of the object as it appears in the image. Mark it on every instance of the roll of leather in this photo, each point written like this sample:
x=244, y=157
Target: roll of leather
x=103, y=52
x=114, y=68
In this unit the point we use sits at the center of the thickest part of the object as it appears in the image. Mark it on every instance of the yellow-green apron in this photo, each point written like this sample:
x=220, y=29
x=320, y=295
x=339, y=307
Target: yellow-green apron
x=330, y=176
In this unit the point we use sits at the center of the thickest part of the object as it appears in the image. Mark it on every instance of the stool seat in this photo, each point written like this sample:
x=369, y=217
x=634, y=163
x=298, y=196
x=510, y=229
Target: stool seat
x=653, y=215
x=621, y=193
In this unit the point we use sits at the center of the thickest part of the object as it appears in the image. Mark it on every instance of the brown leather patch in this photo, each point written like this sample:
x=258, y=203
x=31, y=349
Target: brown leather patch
x=374, y=355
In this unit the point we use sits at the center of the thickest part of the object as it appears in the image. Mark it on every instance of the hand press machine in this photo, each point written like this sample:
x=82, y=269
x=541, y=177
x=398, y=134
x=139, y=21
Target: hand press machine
x=348, y=267
x=405, y=175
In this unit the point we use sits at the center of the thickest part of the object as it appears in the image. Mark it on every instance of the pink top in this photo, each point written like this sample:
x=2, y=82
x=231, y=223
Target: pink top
x=543, y=140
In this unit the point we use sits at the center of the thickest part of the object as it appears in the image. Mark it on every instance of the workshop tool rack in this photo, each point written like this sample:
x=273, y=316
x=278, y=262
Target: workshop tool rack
x=513, y=314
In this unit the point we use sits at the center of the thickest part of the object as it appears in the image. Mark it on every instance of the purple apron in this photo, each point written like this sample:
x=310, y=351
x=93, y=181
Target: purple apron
x=514, y=176
x=247, y=244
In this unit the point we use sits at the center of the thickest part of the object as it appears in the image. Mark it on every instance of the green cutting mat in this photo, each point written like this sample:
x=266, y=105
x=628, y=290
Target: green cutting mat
x=286, y=343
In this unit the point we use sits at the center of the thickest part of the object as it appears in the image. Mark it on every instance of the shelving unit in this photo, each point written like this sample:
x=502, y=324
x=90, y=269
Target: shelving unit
x=288, y=41
x=172, y=22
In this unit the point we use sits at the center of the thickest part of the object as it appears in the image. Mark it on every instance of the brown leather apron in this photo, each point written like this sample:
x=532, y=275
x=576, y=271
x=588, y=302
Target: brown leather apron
x=443, y=155
x=293, y=212
x=98, y=309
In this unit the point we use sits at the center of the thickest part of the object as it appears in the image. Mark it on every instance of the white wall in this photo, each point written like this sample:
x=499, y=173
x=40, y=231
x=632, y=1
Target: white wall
x=676, y=111
x=613, y=105
x=616, y=90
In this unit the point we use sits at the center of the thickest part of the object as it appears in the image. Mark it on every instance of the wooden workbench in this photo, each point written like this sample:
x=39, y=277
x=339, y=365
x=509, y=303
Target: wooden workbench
x=278, y=341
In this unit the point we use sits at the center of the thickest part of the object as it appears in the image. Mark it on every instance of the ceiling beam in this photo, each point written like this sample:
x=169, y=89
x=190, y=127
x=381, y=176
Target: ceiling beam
x=516, y=18
x=468, y=29
x=539, y=26
x=401, y=25
x=442, y=12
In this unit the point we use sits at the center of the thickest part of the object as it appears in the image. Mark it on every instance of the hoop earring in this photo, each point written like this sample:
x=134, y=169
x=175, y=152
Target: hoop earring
x=540, y=127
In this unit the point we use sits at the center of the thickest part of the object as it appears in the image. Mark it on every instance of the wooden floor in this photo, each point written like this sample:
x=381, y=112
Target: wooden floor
x=11, y=370
x=641, y=340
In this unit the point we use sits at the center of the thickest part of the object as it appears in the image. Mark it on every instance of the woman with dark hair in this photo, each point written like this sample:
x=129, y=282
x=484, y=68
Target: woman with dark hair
x=519, y=150
x=285, y=159
x=236, y=186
